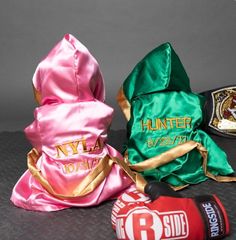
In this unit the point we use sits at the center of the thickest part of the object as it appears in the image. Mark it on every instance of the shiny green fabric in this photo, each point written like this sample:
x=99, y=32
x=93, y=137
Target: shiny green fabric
x=162, y=116
x=160, y=70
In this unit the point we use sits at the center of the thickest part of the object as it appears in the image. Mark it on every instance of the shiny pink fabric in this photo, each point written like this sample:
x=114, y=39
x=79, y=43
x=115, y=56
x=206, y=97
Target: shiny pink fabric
x=70, y=114
x=69, y=73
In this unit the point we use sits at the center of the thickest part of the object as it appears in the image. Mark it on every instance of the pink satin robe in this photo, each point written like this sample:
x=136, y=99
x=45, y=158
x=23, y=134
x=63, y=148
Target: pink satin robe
x=71, y=112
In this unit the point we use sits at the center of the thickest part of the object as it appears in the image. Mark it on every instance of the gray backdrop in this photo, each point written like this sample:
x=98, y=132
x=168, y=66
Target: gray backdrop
x=118, y=33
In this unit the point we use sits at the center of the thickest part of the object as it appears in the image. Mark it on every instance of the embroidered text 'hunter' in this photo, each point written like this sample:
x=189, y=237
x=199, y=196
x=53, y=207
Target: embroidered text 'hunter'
x=166, y=123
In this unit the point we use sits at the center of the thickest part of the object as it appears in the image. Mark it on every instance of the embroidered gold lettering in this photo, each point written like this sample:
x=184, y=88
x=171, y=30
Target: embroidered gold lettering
x=76, y=147
x=62, y=149
x=188, y=122
x=160, y=124
x=162, y=141
x=180, y=123
x=94, y=162
x=181, y=139
x=148, y=124
x=173, y=140
x=169, y=140
x=84, y=145
x=82, y=165
x=69, y=168
x=165, y=141
x=97, y=146
x=150, y=143
x=170, y=120
x=166, y=123
x=77, y=166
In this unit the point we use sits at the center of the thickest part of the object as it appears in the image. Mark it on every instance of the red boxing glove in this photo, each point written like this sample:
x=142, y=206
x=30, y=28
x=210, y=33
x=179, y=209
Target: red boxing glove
x=127, y=198
x=168, y=217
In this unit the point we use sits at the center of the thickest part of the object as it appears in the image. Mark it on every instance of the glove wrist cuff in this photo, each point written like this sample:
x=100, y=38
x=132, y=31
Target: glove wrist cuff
x=214, y=216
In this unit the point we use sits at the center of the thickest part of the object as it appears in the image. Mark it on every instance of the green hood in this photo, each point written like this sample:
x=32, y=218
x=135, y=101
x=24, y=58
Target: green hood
x=159, y=70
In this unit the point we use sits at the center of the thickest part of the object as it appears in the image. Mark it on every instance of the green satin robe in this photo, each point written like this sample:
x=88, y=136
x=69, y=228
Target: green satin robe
x=164, y=113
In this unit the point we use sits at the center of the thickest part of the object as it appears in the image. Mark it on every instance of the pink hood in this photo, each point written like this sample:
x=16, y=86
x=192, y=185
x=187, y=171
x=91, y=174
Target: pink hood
x=69, y=73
